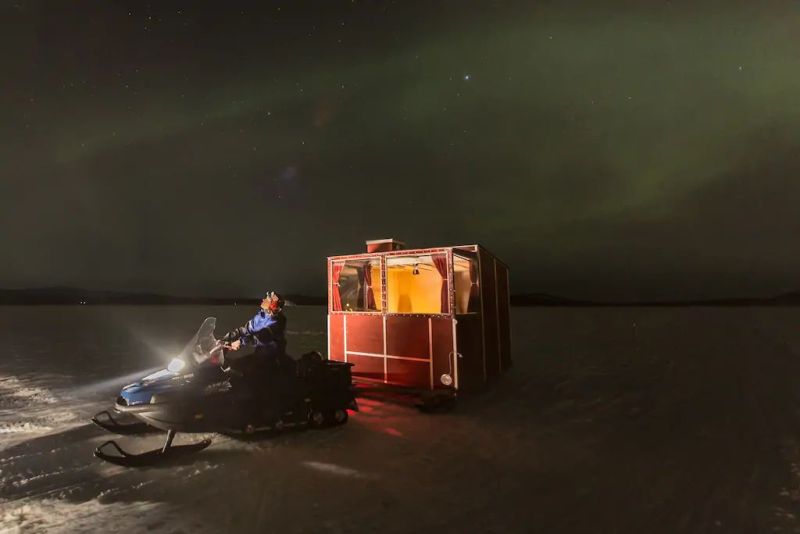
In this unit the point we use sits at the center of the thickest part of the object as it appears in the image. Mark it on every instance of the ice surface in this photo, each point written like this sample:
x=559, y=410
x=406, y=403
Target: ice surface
x=27, y=409
x=61, y=516
x=15, y=392
x=611, y=420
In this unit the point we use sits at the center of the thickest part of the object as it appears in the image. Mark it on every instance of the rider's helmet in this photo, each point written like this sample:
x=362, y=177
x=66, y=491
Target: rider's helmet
x=274, y=302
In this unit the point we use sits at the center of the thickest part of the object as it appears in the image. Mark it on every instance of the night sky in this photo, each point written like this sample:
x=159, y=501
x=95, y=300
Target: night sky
x=603, y=149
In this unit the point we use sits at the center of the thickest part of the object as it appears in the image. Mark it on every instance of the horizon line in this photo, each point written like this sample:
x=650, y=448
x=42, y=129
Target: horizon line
x=533, y=299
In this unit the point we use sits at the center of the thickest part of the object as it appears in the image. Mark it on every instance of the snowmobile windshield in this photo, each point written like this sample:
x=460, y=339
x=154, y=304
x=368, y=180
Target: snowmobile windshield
x=203, y=345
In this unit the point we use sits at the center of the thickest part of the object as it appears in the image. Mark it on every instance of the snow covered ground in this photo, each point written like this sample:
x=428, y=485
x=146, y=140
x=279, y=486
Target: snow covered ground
x=612, y=420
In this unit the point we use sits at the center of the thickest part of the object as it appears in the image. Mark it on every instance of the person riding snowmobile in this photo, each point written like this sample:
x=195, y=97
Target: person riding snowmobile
x=268, y=372
x=266, y=330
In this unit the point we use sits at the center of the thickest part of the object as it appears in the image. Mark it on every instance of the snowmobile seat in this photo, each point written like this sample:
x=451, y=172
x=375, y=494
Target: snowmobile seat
x=309, y=364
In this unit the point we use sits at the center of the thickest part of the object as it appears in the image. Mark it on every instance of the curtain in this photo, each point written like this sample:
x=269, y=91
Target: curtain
x=336, y=299
x=440, y=261
x=361, y=294
x=368, y=291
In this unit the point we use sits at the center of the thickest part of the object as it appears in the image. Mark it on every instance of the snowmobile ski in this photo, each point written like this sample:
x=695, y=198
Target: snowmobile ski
x=154, y=457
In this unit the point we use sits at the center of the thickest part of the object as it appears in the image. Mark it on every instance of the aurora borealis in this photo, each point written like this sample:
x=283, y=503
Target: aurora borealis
x=602, y=149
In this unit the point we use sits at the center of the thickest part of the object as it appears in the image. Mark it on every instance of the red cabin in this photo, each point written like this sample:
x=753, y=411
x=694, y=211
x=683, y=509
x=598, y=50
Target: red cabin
x=433, y=319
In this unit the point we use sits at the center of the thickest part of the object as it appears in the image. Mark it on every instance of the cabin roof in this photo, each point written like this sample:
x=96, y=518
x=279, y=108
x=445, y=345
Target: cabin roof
x=411, y=251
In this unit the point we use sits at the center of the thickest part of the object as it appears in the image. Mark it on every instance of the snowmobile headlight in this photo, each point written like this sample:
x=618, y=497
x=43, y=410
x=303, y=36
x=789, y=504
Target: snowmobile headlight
x=176, y=365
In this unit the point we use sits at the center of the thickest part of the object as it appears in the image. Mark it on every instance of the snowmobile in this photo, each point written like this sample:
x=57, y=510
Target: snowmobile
x=199, y=391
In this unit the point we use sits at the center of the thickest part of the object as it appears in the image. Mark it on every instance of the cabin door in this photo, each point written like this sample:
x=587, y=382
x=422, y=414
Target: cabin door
x=469, y=321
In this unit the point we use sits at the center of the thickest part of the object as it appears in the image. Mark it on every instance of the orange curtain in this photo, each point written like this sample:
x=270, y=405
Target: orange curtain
x=370, y=294
x=336, y=299
x=440, y=261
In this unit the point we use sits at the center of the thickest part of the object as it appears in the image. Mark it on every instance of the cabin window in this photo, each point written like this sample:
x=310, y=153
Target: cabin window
x=356, y=286
x=417, y=284
x=466, y=279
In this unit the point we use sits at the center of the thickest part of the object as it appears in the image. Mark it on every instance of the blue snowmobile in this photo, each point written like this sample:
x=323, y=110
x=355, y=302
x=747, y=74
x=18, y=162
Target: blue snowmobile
x=199, y=392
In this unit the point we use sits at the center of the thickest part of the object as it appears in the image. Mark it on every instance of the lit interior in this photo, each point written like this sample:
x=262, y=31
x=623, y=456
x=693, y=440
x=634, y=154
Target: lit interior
x=377, y=287
x=413, y=293
x=353, y=288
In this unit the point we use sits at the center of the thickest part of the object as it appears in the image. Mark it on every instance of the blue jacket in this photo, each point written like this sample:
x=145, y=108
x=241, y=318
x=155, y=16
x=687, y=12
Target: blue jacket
x=265, y=332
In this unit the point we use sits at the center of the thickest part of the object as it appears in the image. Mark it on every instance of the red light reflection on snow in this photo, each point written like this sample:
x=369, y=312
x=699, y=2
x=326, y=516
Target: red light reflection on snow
x=386, y=412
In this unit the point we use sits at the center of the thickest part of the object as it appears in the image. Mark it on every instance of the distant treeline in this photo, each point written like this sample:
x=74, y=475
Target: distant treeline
x=542, y=299
x=67, y=295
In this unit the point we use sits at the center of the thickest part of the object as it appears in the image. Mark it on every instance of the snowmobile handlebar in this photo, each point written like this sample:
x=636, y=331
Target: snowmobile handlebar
x=222, y=346
x=215, y=355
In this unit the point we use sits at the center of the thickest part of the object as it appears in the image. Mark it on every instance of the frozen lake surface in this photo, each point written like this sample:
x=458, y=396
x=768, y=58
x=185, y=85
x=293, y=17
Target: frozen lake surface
x=611, y=420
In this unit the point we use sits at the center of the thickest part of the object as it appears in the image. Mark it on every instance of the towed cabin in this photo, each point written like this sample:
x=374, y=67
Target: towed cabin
x=432, y=319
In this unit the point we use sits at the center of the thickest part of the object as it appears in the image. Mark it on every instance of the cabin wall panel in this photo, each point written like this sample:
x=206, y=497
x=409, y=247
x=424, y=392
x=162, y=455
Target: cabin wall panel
x=489, y=298
x=336, y=337
x=365, y=333
x=407, y=336
x=366, y=366
x=408, y=373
